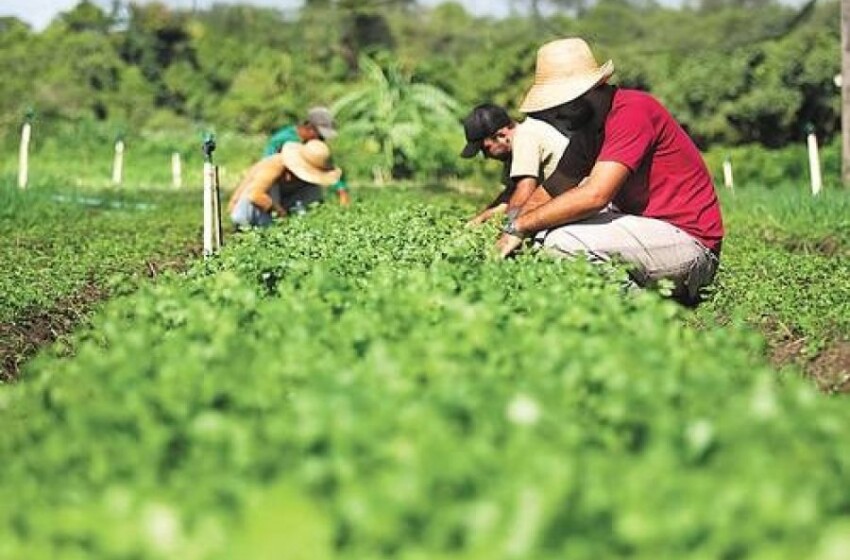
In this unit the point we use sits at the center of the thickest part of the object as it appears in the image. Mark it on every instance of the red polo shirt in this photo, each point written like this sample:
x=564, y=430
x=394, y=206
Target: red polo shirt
x=669, y=180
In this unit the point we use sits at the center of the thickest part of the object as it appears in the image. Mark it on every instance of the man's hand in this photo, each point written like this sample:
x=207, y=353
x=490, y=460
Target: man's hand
x=508, y=243
x=279, y=212
x=344, y=198
x=486, y=215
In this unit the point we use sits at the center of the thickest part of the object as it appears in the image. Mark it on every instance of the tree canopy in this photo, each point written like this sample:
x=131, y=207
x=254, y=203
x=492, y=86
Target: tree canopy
x=732, y=72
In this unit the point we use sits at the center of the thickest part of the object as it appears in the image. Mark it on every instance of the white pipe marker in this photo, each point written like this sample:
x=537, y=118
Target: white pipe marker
x=118, y=163
x=209, y=235
x=23, y=157
x=176, y=170
x=728, y=179
x=814, y=164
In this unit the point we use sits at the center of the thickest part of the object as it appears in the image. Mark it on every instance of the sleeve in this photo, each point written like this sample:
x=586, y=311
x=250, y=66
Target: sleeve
x=526, y=153
x=341, y=185
x=278, y=139
x=273, y=145
x=629, y=135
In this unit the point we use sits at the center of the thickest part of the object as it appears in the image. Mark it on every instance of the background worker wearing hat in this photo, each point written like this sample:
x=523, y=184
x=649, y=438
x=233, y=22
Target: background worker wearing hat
x=319, y=125
x=282, y=181
x=530, y=151
x=667, y=222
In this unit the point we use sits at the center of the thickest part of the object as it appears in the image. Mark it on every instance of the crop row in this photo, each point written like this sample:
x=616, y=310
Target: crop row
x=369, y=383
x=56, y=242
x=785, y=271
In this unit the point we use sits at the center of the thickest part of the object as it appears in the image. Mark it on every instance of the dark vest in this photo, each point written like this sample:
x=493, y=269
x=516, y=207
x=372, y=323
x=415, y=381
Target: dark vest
x=584, y=147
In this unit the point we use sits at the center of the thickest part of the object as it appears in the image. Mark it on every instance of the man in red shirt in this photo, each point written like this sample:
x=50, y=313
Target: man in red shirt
x=645, y=195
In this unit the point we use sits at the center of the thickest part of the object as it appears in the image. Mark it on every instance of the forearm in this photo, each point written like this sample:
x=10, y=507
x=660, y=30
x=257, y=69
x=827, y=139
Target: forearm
x=536, y=200
x=578, y=203
x=525, y=188
x=571, y=206
x=262, y=201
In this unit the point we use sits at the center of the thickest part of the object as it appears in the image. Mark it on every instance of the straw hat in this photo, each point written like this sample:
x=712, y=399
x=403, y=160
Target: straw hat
x=565, y=71
x=310, y=162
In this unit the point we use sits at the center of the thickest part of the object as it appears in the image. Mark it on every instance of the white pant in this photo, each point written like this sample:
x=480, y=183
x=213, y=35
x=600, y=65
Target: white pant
x=654, y=248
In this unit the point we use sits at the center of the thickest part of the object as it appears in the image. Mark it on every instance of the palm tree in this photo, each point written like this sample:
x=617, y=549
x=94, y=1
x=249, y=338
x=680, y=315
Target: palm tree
x=395, y=112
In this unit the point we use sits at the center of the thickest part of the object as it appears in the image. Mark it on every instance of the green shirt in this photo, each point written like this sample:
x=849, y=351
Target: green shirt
x=288, y=134
x=281, y=137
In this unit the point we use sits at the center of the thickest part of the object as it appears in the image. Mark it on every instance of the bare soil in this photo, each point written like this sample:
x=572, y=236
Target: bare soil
x=35, y=328
x=829, y=369
x=21, y=338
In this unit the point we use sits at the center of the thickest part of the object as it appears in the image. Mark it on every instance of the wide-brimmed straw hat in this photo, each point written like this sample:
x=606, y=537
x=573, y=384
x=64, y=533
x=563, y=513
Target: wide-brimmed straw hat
x=565, y=70
x=310, y=162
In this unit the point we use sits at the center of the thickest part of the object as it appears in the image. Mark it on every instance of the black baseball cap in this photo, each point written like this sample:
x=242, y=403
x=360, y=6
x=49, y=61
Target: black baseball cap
x=484, y=120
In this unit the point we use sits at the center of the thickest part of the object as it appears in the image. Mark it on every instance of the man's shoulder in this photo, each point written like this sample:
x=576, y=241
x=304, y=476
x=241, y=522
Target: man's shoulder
x=542, y=134
x=633, y=99
x=288, y=130
x=534, y=126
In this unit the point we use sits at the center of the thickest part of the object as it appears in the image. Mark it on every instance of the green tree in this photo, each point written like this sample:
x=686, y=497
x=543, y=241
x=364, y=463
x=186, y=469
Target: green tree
x=261, y=95
x=155, y=39
x=395, y=114
x=86, y=16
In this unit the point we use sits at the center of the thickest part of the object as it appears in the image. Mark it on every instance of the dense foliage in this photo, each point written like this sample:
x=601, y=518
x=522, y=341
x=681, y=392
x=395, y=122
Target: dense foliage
x=54, y=242
x=733, y=73
x=368, y=383
x=785, y=266
x=63, y=250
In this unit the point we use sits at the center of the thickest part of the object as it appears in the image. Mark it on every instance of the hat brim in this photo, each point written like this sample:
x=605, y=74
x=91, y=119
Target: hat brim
x=291, y=154
x=326, y=132
x=471, y=149
x=545, y=96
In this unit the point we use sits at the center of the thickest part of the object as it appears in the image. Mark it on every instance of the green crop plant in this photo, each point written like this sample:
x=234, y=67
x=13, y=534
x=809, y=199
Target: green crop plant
x=370, y=382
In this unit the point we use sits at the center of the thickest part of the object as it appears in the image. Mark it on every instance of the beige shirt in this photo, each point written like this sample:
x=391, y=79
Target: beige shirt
x=537, y=148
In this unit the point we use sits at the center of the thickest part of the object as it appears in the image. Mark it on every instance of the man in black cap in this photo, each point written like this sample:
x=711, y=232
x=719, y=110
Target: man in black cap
x=529, y=151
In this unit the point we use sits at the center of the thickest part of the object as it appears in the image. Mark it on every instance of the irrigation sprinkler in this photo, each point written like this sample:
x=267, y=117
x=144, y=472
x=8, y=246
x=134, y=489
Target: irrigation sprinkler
x=176, y=170
x=814, y=160
x=212, y=200
x=23, y=154
x=118, y=160
x=728, y=179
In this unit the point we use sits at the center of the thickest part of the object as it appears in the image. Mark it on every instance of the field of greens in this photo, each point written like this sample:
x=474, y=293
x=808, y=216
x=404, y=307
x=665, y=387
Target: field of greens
x=371, y=382
x=786, y=272
x=65, y=249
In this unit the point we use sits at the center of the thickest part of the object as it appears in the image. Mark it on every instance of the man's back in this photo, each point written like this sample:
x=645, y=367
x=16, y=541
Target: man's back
x=284, y=135
x=669, y=180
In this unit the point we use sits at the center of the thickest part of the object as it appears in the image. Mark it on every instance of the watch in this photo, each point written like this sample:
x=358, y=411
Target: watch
x=511, y=229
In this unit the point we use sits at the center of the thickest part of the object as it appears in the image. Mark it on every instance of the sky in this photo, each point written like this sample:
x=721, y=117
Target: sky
x=38, y=13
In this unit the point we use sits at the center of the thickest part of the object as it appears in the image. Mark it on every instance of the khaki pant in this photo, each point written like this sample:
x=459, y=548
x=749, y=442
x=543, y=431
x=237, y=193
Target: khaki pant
x=655, y=249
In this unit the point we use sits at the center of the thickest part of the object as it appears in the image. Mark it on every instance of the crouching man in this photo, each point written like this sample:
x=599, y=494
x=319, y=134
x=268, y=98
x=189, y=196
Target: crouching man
x=665, y=222
x=283, y=183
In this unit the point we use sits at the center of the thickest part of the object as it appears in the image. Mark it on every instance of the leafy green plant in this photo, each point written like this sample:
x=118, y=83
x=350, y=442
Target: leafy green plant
x=394, y=116
x=367, y=382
